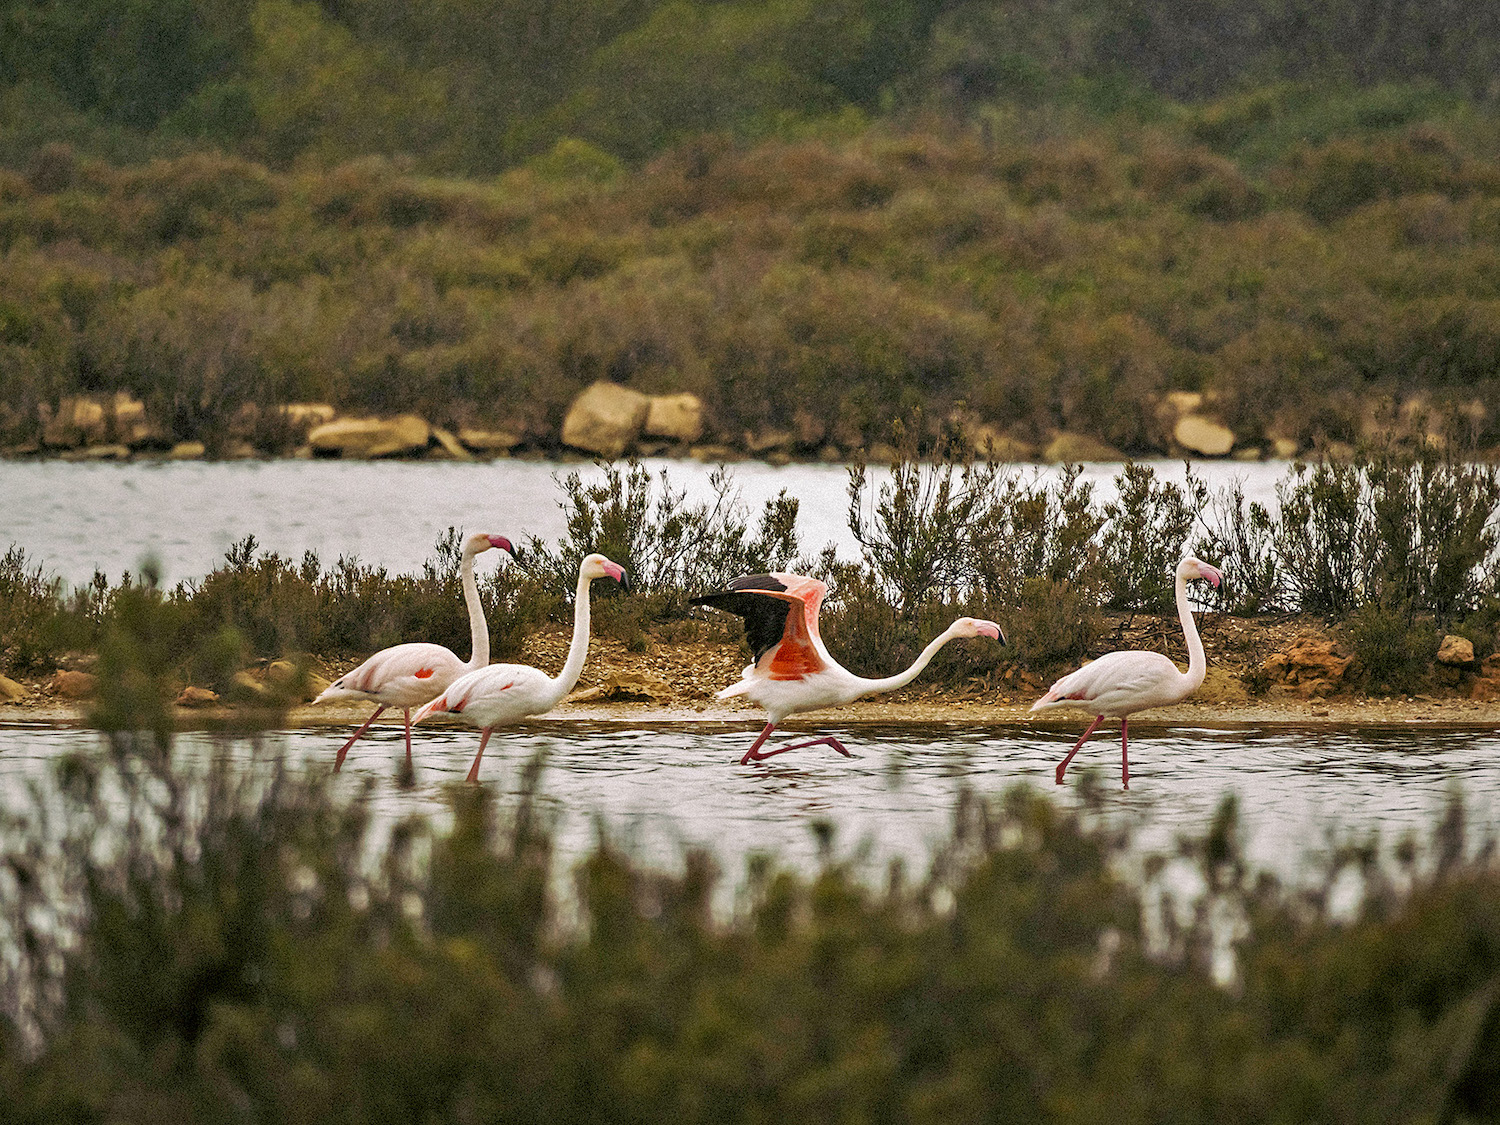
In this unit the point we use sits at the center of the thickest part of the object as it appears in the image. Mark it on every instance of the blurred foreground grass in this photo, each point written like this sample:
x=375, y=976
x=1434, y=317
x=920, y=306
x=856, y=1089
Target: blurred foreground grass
x=235, y=942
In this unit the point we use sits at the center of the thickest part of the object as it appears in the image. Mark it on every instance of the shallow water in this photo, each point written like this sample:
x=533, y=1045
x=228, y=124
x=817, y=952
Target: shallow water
x=73, y=517
x=660, y=788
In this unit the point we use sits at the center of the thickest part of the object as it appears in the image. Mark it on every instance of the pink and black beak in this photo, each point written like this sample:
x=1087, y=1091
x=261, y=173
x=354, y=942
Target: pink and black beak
x=620, y=575
x=1210, y=574
x=505, y=545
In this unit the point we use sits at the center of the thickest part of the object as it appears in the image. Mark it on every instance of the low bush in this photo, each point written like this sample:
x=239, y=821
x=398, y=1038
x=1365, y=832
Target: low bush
x=1241, y=540
x=1052, y=627
x=916, y=533
x=672, y=549
x=1393, y=647
x=1146, y=533
x=38, y=623
x=279, y=608
x=1407, y=525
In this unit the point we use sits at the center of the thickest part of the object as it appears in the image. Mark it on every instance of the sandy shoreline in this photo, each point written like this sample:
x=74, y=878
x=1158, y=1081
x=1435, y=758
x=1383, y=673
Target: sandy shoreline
x=674, y=682
x=1271, y=712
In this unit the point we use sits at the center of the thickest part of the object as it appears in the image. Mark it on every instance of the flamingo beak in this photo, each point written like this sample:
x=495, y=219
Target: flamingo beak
x=617, y=572
x=438, y=704
x=1210, y=574
x=503, y=543
x=991, y=630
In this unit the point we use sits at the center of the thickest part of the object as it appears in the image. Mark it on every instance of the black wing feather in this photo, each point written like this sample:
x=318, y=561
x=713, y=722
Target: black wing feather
x=765, y=617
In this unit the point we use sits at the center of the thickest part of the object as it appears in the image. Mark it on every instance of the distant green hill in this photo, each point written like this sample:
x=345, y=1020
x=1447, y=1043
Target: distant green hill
x=1052, y=215
x=475, y=86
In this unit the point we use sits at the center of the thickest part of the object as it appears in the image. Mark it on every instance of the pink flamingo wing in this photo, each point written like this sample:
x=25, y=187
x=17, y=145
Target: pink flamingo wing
x=1117, y=677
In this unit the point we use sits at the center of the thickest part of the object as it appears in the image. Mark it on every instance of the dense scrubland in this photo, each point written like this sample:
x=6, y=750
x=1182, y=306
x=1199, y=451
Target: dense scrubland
x=1392, y=550
x=814, y=216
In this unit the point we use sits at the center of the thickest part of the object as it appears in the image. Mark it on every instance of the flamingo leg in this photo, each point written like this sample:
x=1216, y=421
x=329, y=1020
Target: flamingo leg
x=751, y=755
x=825, y=740
x=338, y=763
x=483, y=739
x=1124, y=752
x=407, y=712
x=1063, y=765
x=755, y=754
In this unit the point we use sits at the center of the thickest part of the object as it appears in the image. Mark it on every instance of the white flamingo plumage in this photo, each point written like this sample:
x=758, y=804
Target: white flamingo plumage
x=408, y=675
x=506, y=693
x=793, y=671
x=1122, y=683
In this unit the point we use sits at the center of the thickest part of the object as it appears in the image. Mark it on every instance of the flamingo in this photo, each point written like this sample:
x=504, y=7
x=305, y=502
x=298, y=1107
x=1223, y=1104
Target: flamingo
x=1121, y=683
x=408, y=675
x=506, y=693
x=792, y=671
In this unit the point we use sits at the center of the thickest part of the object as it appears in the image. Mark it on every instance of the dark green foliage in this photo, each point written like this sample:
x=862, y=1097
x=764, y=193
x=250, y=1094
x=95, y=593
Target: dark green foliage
x=1036, y=531
x=1147, y=533
x=1321, y=521
x=252, y=945
x=36, y=622
x=916, y=533
x=1241, y=539
x=1408, y=526
x=672, y=550
x=128, y=61
x=1393, y=646
x=146, y=640
x=279, y=608
x=1053, y=626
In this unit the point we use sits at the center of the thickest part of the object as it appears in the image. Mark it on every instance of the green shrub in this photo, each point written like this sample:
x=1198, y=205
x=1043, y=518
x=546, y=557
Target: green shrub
x=1241, y=539
x=1054, y=626
x=916, y=534
x=350, y=609
x=1400, y=524
x=1321, y=536
x=39, y=622
x=1393, y=646
x=673, y=550
x=1039, y=531
x=1147, y=534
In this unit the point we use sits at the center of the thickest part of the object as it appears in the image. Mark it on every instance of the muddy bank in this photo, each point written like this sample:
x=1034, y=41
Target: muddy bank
x=675, y=682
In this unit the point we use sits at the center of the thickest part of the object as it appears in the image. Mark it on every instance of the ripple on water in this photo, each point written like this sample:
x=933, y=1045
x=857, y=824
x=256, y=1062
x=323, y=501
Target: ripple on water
x=665, y=787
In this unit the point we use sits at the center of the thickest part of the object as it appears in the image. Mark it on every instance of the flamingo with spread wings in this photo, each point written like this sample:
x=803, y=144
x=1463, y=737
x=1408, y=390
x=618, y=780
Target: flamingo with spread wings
x=408, y=675
x=1122, y=683
x=792, y=670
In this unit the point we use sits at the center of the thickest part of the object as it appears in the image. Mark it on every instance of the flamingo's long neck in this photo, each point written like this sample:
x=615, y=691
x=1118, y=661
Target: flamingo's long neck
x=479, y=630
x=901, y=679
x=579, y=647
x=1197, y=661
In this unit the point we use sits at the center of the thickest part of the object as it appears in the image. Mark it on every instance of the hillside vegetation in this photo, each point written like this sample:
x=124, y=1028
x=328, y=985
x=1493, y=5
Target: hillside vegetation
x=814, y=216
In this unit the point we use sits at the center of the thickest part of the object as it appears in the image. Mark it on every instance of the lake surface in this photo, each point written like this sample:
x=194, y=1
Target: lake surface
x=664, y=787
x=75, y=517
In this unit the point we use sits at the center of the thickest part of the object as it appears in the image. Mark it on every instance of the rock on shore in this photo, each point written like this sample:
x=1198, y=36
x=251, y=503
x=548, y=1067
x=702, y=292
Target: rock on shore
x=609, y=420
